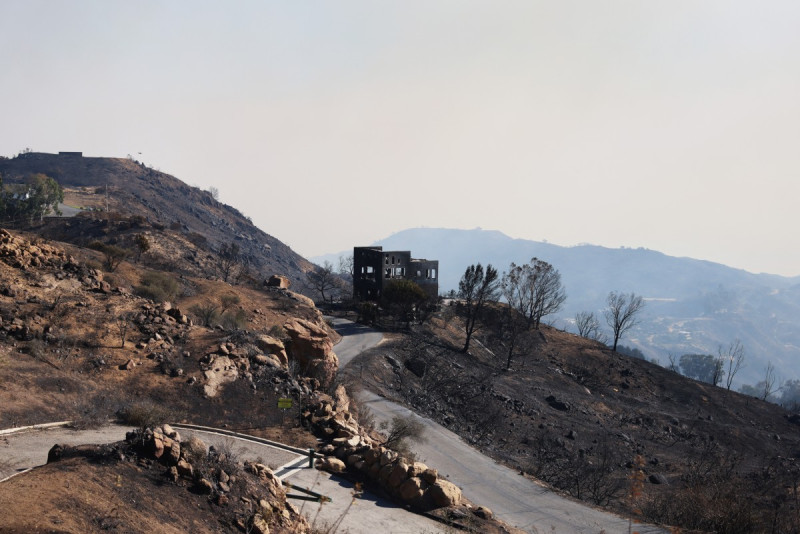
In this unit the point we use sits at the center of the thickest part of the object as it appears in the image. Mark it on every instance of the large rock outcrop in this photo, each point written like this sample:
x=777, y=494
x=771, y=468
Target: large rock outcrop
x=274, y=347
x=221, y=371
x=411, y=482
x=312, y=348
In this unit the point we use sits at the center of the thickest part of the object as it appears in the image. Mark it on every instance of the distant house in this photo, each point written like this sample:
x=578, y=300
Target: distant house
x=373, y=268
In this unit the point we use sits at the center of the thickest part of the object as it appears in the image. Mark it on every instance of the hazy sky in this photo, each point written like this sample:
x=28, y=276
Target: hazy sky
x=673, y=125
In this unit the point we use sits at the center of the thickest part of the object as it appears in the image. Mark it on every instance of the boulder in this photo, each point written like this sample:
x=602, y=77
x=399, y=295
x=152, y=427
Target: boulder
x=184, y=469
x=483, y=512
x=418, y=366
x=223, y=371
x=312, y=348
x=274, y=347
x=658, y=478
x=398, y=474
x=260, y=525
x=205, y=487
x=443, y=494
x=305, y=300
x=430, y=475
x=55, y=453
x=372, y=455
x=279, y=281
x=411, y=489
x=341, y=401
x=194, y=449
x=267, y=359
x=331, y=465
x=172, y=473
x=155, y=447
x=387, y=457
x=416, y=469
x=558, y=404
x=385, y=472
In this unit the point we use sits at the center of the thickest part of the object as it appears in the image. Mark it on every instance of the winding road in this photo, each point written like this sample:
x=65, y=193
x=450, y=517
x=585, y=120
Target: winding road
x=513, y=498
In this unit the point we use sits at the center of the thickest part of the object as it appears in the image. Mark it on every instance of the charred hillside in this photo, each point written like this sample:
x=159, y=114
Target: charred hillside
x=600, y=426
x=131, y=189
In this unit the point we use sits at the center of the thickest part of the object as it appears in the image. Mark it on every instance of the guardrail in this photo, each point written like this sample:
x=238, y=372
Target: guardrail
x=263, y=441
x=41, y=426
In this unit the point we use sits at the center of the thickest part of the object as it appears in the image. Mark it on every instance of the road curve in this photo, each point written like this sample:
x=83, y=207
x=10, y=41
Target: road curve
x=512, y=497
x=366, y=515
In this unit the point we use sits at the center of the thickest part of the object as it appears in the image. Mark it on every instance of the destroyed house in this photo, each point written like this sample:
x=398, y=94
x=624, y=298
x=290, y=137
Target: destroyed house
x=374, y=268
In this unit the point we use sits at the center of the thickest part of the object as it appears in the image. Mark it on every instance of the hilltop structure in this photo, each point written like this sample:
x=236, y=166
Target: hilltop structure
x=373, y=268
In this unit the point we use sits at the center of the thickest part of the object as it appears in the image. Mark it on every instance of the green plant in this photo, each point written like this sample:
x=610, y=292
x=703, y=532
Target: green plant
x=234, y=320
x=157, y=286
x=228, y=301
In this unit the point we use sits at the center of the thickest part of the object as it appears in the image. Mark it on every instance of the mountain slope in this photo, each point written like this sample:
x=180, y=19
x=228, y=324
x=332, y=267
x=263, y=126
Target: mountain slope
x=693, y=305
x=131, y=188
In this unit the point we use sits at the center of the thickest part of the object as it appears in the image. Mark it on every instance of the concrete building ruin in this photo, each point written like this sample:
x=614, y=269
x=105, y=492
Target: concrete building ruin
x=373, y=268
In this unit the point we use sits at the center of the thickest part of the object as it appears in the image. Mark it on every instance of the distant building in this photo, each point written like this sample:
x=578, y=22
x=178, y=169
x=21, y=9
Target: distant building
x=373, y=268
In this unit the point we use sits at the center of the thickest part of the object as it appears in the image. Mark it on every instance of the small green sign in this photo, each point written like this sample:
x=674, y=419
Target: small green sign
x=284, y=404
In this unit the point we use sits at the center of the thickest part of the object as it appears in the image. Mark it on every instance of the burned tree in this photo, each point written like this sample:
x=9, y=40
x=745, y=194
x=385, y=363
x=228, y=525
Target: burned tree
x=534, y=290
x=323, y=281
x=622, y=313
x=475, y=289
x=229, y=260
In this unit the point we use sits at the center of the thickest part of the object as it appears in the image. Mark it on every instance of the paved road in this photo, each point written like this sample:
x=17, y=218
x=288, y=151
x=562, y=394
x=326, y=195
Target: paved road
x=355, y=339
x=369, y=514
x=513, y=498
x=28, y=449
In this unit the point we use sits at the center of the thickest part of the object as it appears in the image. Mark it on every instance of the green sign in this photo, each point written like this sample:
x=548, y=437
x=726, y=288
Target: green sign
x=284, y=404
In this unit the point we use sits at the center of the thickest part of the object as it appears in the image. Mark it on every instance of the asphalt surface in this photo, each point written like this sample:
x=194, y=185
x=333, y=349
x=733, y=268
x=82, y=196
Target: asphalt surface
x=356, y=338
x=512, y=497
x=352, y=512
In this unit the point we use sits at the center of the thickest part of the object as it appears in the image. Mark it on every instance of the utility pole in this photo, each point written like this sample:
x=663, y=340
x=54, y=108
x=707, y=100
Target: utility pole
x=106, y=197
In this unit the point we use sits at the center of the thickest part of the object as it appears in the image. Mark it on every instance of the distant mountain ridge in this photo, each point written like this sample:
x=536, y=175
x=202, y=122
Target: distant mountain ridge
x=693, y=305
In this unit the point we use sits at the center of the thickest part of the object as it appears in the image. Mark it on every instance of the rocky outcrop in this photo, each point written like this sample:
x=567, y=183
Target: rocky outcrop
x=349, y=446
x=255, y=358
x=312, y=348
x=252, y=489
x=221, y=370
x=22, y=254
x=279, y=281
x=272, y=347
